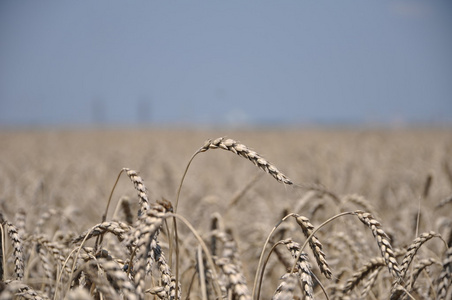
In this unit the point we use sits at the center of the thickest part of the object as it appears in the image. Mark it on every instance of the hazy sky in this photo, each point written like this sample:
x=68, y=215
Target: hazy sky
x=225, y=62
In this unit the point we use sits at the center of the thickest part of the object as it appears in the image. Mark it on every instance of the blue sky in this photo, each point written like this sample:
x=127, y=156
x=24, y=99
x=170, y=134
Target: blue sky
x=225, y=62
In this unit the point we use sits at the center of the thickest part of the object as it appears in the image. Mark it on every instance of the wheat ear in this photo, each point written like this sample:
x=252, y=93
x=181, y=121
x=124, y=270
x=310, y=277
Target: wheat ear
x=236, y=280
x=245, y=152
x=315, y=245
x=372, y=265
x=413, y=248
x=119, y=277
x=139, y=186
x=444, y=279
x=382, y=240
x=368, y=284
x=148, y=226
x=230, y=266
x=303, y=267
x=54, y=249
x=119, y=229
x=421, y=265
x=18, y=253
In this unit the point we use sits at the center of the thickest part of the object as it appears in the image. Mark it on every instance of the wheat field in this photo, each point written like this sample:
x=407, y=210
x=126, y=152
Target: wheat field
x=216, y=214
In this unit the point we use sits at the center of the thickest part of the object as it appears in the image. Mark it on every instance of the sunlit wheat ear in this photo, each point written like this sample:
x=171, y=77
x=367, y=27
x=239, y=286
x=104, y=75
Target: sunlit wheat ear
x=18, y=253
x=372, y=265
x=141, y=189
x=302, y=266
x=119, y=229
x=444, y=279
x=147, y=227
x=413, y=248
x=245, y=152
x=168, y=280
x=382, y=241
x=230, y=265
x=315, y=245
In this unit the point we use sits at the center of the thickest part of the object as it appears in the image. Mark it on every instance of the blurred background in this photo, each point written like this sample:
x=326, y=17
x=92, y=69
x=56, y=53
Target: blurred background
x=225, y=63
